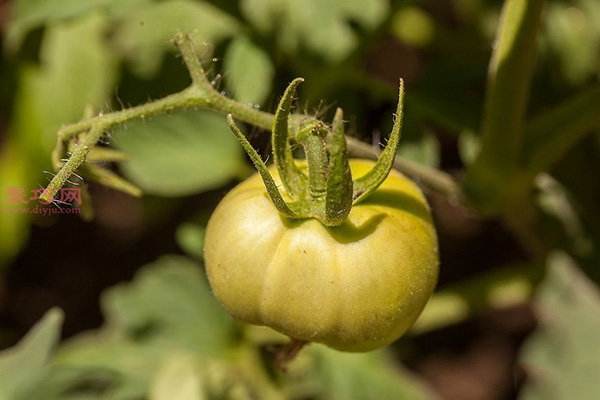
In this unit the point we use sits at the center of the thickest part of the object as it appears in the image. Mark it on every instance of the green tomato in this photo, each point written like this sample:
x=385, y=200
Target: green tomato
x=355, y=287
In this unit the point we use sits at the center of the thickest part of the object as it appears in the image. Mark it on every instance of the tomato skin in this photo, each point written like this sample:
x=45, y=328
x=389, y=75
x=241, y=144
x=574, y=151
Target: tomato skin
x=355, y=287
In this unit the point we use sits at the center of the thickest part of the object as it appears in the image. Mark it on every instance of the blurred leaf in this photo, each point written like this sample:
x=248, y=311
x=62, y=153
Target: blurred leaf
x=323, y=373
x=413, y=26
x=550, y=136
x=468, y=146
x=145, y=34
x=425, y=150
x=168, y=309
x=562, y=358
x=180, y=154
x=22, y=366
x=556, y=202
x=248, y=70
x=178, y=379
x=30, y=14
x=14, y=226
x=76, y=70
x=572, y=31
x=171, y=298
x=190, y=237
x=322, y=26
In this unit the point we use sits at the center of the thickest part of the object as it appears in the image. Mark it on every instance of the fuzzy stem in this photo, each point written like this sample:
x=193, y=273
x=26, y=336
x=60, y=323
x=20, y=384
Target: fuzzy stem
x=201, y=94
x=312, y=138
x=497, y=180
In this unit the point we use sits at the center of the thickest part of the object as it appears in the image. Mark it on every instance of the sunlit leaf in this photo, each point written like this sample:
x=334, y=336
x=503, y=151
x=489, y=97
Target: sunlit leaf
x=145, y=34
x=178, y=379
x=180, y=154
x=22, y=366
x=570, y=31
x=322, y=26
x=30, y=14
x=468, y=146
x=562, y=358
x=76, y=70
x=171, y=297
x=248, y=71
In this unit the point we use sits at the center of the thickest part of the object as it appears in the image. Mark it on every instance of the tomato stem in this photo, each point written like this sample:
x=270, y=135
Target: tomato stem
x=285, y=354
x=332, y=211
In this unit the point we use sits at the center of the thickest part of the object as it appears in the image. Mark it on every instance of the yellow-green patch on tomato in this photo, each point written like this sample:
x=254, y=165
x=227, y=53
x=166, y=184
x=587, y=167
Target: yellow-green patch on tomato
x=355, y=287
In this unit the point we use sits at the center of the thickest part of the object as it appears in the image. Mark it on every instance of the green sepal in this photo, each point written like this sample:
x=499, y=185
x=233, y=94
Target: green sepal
x=105, y=177
x=369, y=182
x=338, y=200
x=270, y=184
x=292, y=178
x=311, y=136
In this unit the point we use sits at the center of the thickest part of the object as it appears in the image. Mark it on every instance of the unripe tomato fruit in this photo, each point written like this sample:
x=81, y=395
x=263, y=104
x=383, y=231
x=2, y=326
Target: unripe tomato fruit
x=355, y=287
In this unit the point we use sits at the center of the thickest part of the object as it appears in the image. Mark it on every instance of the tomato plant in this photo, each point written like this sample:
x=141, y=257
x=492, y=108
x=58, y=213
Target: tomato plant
x=346, y=262
x=329, y=245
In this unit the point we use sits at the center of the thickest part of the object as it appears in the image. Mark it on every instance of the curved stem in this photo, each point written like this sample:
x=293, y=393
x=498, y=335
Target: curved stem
x=201, y=94
x=497, y=178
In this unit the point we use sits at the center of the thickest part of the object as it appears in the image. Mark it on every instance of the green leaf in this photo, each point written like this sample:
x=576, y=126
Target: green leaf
x=322, y=373
x=571, y=30
x=15, y=172
x=425, y=150
x=178, y=379
x=180, y=154
x=248, y=71
x=322, y=26
x=468, y=146
x=190, y=237
x=146, y=32
x=22, y=366
x=168, y=309
x=27, y=15
x=77, y=70
x=562, y=358
x=171, y=298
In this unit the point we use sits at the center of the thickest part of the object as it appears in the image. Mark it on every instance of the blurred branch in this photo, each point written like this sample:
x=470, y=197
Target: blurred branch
x=495, y=178
x=506, y=287
x=432, y=178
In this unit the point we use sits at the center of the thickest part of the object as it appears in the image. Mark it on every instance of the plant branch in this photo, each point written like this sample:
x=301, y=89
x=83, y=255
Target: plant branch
x=84, y=135
x=493, y=180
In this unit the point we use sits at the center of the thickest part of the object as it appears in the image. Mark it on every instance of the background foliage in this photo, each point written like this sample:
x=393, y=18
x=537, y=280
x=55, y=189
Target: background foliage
x=139, y=318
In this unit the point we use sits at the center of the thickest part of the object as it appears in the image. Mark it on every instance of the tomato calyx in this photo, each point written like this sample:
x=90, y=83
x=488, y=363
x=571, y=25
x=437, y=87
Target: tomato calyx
x=328, y=191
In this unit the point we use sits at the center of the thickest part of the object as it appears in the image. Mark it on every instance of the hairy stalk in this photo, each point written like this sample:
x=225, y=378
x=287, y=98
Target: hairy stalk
x=201, y=94
x=497, y=180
